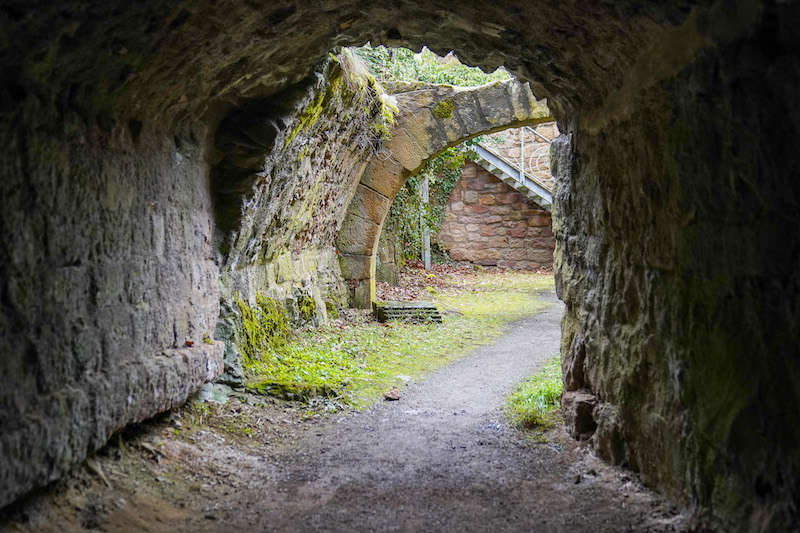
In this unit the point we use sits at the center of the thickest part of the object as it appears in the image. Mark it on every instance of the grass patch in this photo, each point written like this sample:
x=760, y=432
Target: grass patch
x=353, y=364
x=536, y=401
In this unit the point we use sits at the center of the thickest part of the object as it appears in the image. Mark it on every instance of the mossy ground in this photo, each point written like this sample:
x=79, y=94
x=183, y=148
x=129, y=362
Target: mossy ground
x=352, y=362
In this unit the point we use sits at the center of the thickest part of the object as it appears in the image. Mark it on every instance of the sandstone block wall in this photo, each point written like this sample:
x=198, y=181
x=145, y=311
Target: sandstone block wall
x=489, y=223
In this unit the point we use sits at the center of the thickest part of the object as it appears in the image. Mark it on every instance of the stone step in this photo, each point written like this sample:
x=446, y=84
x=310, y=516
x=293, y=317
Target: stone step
x=407, y=311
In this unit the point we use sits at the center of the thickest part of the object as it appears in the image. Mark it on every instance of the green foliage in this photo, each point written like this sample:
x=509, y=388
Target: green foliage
x=331, y=309
x=390, y=355
x=300, y=371
x=443, y=173
x=277, y=365
x=536, y=401
x=356, y=365
x=307, y=307
x=402, y=64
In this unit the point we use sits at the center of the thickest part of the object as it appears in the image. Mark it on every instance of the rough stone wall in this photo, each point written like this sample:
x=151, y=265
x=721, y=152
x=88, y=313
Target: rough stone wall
x=288, y=168
x=107, y=270
x=388, y=257
x=489, y=223
x=678, y=256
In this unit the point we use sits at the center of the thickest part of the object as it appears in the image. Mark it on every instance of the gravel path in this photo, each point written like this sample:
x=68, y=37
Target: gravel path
x=444, y=459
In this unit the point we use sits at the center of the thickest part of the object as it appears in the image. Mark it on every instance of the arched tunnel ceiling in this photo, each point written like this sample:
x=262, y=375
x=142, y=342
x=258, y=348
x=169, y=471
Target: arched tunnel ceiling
x=169, y=60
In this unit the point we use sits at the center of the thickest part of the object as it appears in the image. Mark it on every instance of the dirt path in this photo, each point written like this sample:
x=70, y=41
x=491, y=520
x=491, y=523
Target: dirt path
x=444, y=459
x=441, y=459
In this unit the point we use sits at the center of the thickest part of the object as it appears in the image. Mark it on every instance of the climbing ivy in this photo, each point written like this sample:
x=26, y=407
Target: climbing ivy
x=443, y=172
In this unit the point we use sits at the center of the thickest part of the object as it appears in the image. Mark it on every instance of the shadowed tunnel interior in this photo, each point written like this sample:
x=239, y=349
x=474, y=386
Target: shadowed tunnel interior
x=675, y=214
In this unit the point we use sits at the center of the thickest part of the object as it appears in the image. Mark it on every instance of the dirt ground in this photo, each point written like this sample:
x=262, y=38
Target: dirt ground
x=442, y=458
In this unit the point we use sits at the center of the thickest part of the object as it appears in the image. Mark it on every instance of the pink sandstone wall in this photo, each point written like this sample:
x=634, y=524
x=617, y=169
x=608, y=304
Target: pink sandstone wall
x=489, y=223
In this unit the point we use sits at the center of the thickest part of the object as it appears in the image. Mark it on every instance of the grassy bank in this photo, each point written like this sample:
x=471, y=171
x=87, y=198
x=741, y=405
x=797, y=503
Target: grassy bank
x=536, y=401
x=354, y=362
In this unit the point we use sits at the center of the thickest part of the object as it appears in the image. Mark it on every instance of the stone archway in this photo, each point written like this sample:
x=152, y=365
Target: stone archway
x=429, y=120
x=678, y=263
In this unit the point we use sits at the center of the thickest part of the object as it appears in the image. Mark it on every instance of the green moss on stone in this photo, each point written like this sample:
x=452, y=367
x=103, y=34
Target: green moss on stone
x=314, y=110
x=444, y=109
x=331, y=309
x=307, y=307
x=262, y=328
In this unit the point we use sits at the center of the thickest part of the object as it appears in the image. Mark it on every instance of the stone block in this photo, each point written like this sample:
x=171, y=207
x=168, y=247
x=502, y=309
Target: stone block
x=357, y=235
x=470, y=171
x=477, y=183
x=538, y=255
x=355, y=267
x=384, y=175
x=476, y=209
x=514, y=254
x=498, y=242
x=406, y=150
x=369, y=204
x=426, y=129
x=539, y=220
x=495, y=104
x=470, y=197
x=456, y=207
x=467, y=110
x=508, y=198
x=487, y=199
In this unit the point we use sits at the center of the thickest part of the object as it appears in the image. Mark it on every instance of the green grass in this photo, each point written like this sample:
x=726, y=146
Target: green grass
x=355, y=365
x=535, y=402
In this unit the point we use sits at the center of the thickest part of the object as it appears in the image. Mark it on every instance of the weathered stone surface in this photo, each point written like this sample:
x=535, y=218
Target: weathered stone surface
x=579, y=413
x=369, y=205
x=355, y=267
x=385, y=175
x=356, y=235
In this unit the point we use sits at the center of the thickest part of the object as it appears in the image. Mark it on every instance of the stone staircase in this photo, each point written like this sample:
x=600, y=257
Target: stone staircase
x=510, y=174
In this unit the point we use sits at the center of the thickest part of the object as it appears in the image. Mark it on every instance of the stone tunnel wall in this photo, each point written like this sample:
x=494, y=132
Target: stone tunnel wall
x=675, y=219
x=107, y=270
x=287, y=171
x=489, y=223
x=678, y=256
